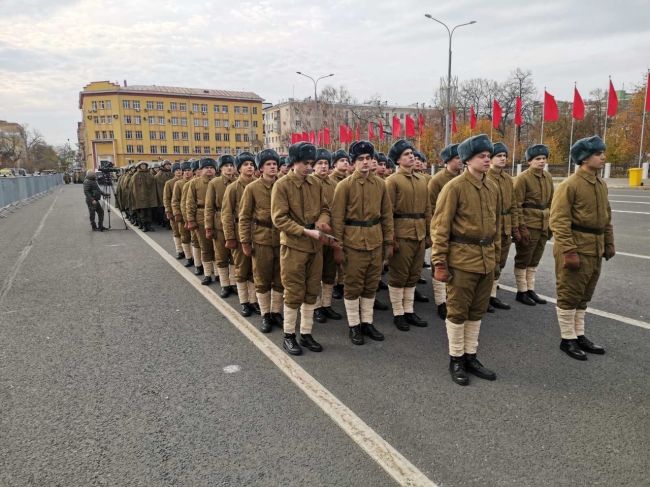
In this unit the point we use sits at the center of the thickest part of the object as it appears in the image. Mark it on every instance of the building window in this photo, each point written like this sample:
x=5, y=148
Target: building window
x=153, y=134
x=224, y=109
x=246, y=124
x=163, y=149
x=161, y=120
x=197, y=136
x=126, y=104
x=197, y=122
x=246, y=138
x=153, y=149
x=128, y=134
x=239, y=150
x=162, y=135
x=255, y=123
x=195, y=107
x=217, y=123
x=226, y=123
x=237, y=124
x=96, y=119
x=173, y=105
x=244, y=109
x=97, y=134
x=174, y=120
x=206, y=150
x=149, y=105
x=205, y=123
x=151, y=119
x=254, y=110
x=206, y=136
x=237, y=137
x=184, y=121
x=138, y=134
x=185, y=135
x=129, y=149
x=197, y=150
x=111, y=135
x=176, y=135
x=136, y=104
x=186, y=149
x=237, y=109
x=101, y=105
x=108, y=104
x=219, y=150
x=177, y=149
x=139, y=149
x=216, y=109
x=226, y=150
x=226, y=138
x=217, y=137
x=182, y=107
x=127, y=118
x=160, y=105
x=137, y=120
x=93, y=105
x=204, y=108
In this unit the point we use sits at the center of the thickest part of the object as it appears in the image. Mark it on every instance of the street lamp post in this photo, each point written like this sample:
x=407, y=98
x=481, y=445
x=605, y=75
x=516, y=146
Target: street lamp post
x=448, y=107
x=315, y=81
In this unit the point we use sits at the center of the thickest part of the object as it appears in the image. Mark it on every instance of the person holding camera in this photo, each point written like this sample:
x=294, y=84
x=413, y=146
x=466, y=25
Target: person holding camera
x=93, y=195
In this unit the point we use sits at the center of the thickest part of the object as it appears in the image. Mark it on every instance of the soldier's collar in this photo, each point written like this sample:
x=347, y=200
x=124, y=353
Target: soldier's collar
x=475, y=181
x=587, y=176
x=296, y=179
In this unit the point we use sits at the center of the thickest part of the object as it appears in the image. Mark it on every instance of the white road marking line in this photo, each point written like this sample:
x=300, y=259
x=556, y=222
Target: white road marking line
x=9, y=281
x=633, y=202
x=626, y=254
x=631, y=195
x=634, y=212
x=387, y=457
x=604, y=314
x=231, y=369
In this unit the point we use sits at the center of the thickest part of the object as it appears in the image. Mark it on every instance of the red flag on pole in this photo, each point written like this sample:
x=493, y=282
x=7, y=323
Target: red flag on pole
x=381, y=130
x=551, y=112
x=326, y=136
x=295, y=138
x=410, y=127
x=371, y=131
x=454, y=128
x=472, y=118
x=497, y=113
x=397, y=127
x=312, y=137
x=612, y=101
x=343, y=134
x=647, y=98
x=319, y=137
x=518, y=118
x=578, y=105
x=420, y=123
x=305, y=137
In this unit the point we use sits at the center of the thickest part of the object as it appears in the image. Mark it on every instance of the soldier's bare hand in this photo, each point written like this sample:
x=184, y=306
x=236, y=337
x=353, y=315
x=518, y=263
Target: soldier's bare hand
x=571, y=260
x=191, y=225
x=323, y=227
x=231, y=244
x=388, y=251
x=247, y=249
x=178, y=218
x=315, y=234
x=525, y=235
x=168, y=216
x=440, y=272
x=208, y=234
x=610, y=251
x=339, y=256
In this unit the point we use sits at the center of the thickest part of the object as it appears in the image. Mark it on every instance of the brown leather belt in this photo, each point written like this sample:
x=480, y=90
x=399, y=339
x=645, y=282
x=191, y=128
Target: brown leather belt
x=484, y=242
x=263, y=223
x=360, y=223
x=200, y=206
x=534, y=206
x=413, y=216
x=310, y=226
x=593, y=231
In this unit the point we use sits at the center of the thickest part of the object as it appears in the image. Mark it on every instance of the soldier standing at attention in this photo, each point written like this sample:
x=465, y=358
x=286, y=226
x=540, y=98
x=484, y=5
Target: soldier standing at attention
x=214, y=227
x=196, y=247
x=509, y=216
x=340, y=165
x=324, y=303
x=260, y=240
x=581, y=222
x=230, y=221
x=196, y=194
x=411, y=218
x=144, y=195
x=362, y=221
x=164, y=175
x=299, y=210
x=283, y=169
x=177, y=211
x=466, y=247
x=534, y=193
x=168, y=190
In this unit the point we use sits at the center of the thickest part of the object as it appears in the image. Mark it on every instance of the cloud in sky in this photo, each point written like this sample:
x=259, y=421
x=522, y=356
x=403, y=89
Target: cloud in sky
x=49, y=49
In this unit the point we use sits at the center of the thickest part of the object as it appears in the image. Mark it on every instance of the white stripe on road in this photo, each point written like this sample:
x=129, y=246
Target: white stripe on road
x=388, y=458
x=597, y=312
x=626, y=254
x=631, y=195
x=633, y=202
x=635, y=212
x=9, y=281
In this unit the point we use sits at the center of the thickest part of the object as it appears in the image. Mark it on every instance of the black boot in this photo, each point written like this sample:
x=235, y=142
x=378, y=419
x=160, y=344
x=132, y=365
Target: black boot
x=206, y=281
x=415, y=320
x=379, y=305
x=524, y=298
x=93, y=225
x=371, y=332
x=442, y=311
x=148, y=228
x=382, y=285
x=290, y=344
x=180, y=255
x=422, y=280
x=308, y=341
x=320, y=316
x=419, y=297
x=190, y=262
x=225, y=292
x=426, y=265
x=256, y=308
x=400, y=323
x=457, y=370
x=246, y=309
x=337, y=291
x=533, y=295
x=490, y=309
x=267, y=323
x=198, y=271
x=473, y=366
x=355, y=335
x=278, y=320
x=588, y=346
x=498, y=304
x=330, y=313
x=572, y=349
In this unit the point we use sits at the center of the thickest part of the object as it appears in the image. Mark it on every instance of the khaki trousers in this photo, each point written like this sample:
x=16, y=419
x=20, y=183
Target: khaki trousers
x=362, y=270
x=468, y=294
x=243, y=265
x=329, y=266
x=301, y=274
x=576, y=288
x=223, y=256
x=531, y=254
x=266, y=268
x=405, y=266
x=506, y=241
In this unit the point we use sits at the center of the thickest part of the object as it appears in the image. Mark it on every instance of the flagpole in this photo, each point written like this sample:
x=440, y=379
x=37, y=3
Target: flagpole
x=645, y=103
x=570, y=144
x=514, y=149
x=606, y=112
x=541, y=138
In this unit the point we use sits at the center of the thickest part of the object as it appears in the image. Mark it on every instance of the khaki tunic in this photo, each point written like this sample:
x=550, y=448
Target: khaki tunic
x=168, y=191
x=329, y=265
x=161, y=178
x=213, y=204
x=195, y=204
x=509, y=215
x=336, y=176
x=143, y=188
x=533, y=187
x=436, y=183
x=230, y=220
x=176, y=197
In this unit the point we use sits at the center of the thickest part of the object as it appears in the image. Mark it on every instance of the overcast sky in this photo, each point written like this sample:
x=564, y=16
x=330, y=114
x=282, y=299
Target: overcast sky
x=49, y=49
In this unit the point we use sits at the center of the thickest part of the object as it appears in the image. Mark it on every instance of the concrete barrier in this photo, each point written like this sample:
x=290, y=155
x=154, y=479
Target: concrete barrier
x=15, y=190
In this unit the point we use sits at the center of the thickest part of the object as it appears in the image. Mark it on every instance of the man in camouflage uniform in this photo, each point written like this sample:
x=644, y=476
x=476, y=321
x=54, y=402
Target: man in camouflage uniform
x=168, y=190
x=164, y=175
x=534, y=193
x=581, y=222
x=466, y=247
x=177, y=211
x=362, y=221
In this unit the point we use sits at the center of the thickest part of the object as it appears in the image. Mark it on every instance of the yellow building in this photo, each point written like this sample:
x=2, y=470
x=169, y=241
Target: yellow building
x=126, y=124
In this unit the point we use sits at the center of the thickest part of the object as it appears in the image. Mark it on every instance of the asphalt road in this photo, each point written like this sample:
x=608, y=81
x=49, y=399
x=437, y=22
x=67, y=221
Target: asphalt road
x=112, y=373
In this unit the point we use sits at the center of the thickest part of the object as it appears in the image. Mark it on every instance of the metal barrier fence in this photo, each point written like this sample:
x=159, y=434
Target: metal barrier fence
x=14, y=190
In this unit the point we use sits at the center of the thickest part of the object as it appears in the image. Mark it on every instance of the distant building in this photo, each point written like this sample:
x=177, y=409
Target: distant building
x=13, y=152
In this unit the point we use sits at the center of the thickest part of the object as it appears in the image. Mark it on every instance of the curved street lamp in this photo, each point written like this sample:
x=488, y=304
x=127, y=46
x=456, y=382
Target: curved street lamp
x=315, y=81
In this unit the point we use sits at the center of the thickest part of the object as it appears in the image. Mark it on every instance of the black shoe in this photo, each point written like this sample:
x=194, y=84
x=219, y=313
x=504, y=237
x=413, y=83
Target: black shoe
x=198, y=271
x=415, y=320
x=330, y=313
x=572, y=349
x=206, y=281
x=473, y=366
x=422, y=280
x=490, y=309
x=246, y=309
x=419, y=297
x=256, y=308
x=309, y=342
x=102, y=228
x=588, y=346
x=93, y=225
x=498, y=304
x=225, y=292
x=180, y=255
x=400, y=323
x=524, y=298
x=189, y=263
x=145, y=228
x=379, y=306
x=337, y=291
x=426, y=265
x=457, y=370
x=442, y=311
x=320, y=316
x=267, y=323
x=355, y=335
x=533, y=295
x=291, y=345
x=382, y=285
x=149, y=227
x=278, y=320
x=371, y=332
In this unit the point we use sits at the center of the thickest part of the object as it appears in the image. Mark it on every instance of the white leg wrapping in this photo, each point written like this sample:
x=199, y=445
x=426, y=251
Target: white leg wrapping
x=264, y=300
x=439, y=292
x=530, y=278
x=396, y=295
x=208, y=268
x=277, y=302
x=327, y=295
x=367, y=310
x=252, y=295
x=409, y=299
x=306, y=318
x=352, y=310
x=493, y=294
x=242, y=292
x=290, y=317
x=520, y=279
x=196, y=253
x=223, y=276
x=472, y=329
x=456, y=338
x=580, y=322
x=178, y=245
x=187, y=250
x=566, y=320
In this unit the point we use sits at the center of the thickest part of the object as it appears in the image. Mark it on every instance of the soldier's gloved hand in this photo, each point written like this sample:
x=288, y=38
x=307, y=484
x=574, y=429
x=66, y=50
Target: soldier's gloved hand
x=388, y=251
x=440, y=272
x=247, y=249
x=610, y=251
x=191, y=225
x=209, y=234
x=178, y=218
x=571, y=260
x=516, y=234
x=427, y=242
x=339, y=256
x=525, y=234
x=324, y=227
x=231, y=244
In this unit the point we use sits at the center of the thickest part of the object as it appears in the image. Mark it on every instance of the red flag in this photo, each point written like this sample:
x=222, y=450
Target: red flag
x=612, y=101
x=551, y=112
x=497, y=113
x=420, y=123
x=295, y=137
x=381, y=130
x=578, y=105
x=343, y=134
x=319, y=137
x=397, y=127
x=305, y=137
x=410, y=127
x=371, y=131
x=472, y=118
x=454, y=128
x=518, y=118
x=326, y=136
x=647, y=98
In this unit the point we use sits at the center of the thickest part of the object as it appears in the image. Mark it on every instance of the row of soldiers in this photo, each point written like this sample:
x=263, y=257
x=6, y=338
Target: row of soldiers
x=282, y=232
